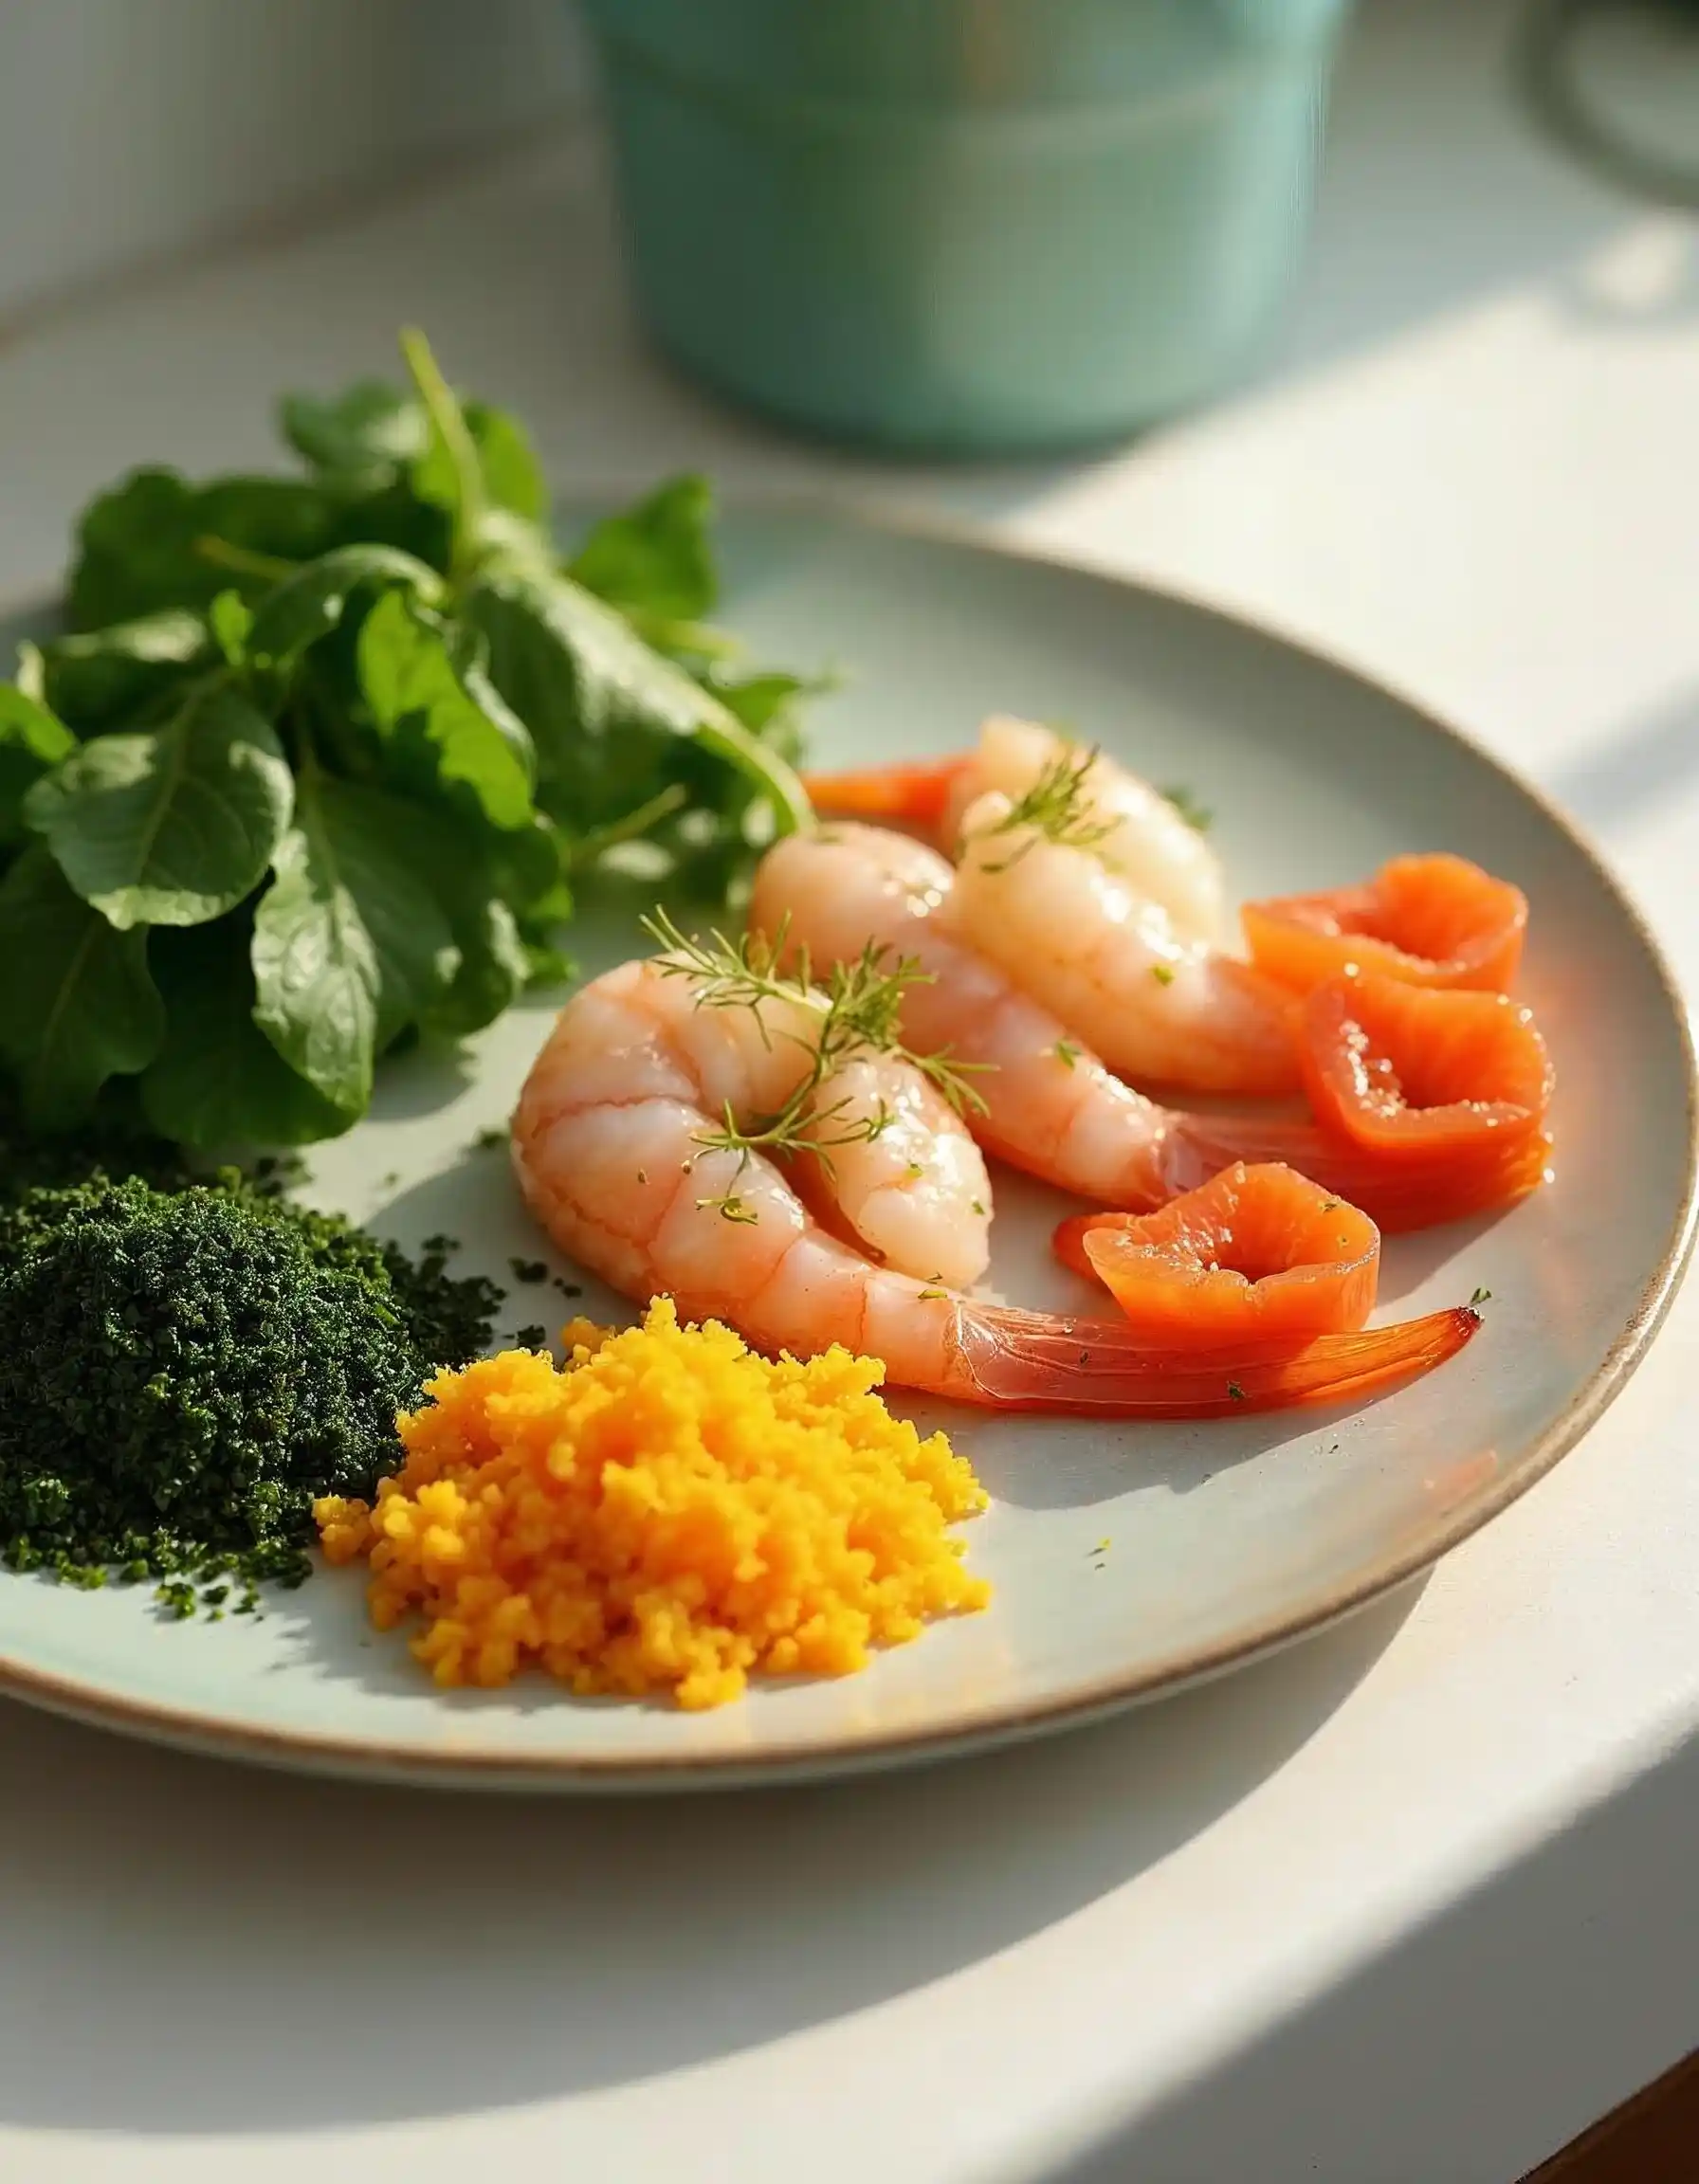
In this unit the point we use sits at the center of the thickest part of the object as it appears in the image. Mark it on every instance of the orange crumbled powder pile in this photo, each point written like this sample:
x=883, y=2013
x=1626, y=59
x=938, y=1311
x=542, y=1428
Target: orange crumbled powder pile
x=668, y=1512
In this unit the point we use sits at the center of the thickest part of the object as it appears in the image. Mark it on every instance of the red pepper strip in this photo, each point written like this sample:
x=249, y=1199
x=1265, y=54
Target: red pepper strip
x=914, y=794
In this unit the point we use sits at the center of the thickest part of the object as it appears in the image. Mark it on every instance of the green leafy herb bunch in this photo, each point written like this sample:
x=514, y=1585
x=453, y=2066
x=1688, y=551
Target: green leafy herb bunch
x=322, y=755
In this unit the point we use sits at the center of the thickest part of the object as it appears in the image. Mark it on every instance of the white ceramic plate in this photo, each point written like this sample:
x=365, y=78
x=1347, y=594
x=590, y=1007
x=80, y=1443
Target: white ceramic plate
x=1226, y=1538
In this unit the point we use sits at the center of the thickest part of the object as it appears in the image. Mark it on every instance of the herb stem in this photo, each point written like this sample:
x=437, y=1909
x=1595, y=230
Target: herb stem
x=600, y=840
x=244, y=560
x=695, y=638
x=723, y=734
x=857, y=1009
x=450, y=424
x=1056, y=808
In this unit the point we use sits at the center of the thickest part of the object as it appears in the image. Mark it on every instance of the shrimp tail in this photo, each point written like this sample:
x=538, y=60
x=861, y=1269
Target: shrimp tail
x=916, y=793
x=1014, y=1360
x=1195, y=1148
x=1426, y=1193
x=1399, y=1192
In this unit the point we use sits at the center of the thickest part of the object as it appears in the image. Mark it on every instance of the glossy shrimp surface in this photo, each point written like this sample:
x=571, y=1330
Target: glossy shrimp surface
x=1043, y=1101
x=1144, y=835
x=608, y=1150
x=640, y=1070
x=1046, y=1101
x=1161, y=855
x=1069, y=926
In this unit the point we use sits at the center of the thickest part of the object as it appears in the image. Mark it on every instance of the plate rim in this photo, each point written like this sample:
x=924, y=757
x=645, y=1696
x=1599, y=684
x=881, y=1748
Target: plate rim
x=471, y=1765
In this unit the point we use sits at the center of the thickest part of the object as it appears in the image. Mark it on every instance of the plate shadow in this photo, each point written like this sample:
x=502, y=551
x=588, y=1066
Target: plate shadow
x=199, y=1949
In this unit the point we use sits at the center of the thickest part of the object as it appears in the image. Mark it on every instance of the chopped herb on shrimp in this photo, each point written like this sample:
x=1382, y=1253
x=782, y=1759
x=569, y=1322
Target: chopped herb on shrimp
x=856, y=1009
x=1056, y=807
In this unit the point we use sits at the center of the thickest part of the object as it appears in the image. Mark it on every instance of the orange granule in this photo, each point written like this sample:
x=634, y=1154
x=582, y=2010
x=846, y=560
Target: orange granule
x=667, y=1512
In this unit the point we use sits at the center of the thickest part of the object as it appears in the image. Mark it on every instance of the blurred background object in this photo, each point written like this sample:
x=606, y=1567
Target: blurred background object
x=966, y=226
x=132, y=130
x=1617, y=83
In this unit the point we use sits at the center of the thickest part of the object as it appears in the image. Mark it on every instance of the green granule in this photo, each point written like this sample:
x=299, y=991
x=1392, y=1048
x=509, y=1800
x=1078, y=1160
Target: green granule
x=184, y=1370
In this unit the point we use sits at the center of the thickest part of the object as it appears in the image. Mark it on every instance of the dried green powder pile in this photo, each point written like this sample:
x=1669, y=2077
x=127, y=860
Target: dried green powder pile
x=184, y=1368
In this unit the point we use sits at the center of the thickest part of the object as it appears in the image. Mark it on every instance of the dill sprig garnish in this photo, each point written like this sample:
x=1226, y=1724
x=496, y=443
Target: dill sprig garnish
x=856, y=1009
x=1196, y=816
x=1056, y=807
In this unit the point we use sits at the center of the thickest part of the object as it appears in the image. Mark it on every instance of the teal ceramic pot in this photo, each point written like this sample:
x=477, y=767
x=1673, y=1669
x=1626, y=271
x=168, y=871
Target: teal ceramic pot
x=965, y=225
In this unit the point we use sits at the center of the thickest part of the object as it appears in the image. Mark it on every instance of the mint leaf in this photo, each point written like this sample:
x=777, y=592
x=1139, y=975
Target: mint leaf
x=512, y=476
x=310, y=603
x=32, y=742
x=172, y=828
x=138, y=546
x=768, y=704
x=527, y=868
x=231, y=621
x=350, y=942
x=110, y=677
x=655, y=558
x=217, y=1080
x=78, y=1006
x=444, y=720
x=31, y=677
x=364, y=436
x=612, y=720
x=478, y=874
x=509, y=470
x=494, y=966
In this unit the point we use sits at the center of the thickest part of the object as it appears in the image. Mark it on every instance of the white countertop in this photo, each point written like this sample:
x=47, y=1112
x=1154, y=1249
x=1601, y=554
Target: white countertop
x=1411, y=1903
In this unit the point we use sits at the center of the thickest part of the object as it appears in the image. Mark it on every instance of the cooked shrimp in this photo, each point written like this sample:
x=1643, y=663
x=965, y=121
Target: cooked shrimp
x=620, y=1147
x=914, y=1188
x=1433, y=921
x=1144, y=836
x=1035, y=896
x=641, y=1050
x=1048, y=1102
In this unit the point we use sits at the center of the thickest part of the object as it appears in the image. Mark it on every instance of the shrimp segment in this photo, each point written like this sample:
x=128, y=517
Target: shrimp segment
x=616, y=1122
x=1009, y=1364
x=607, y=1148
x=1434, y=920
x=1050, y=1106
x=915, y=1194
x=1258, y=1253
x=1064, y=924
x=1144, y=835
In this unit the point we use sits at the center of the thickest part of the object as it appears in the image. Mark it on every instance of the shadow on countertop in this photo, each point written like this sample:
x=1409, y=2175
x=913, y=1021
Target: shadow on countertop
x=1577, y=1967
x=247, y=1952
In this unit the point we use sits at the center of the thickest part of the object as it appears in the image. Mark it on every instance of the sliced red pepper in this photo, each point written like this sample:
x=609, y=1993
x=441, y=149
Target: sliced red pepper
x=1431, y=920
x=1410, y=1073
x=916, y=793
x=1256, y=1254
